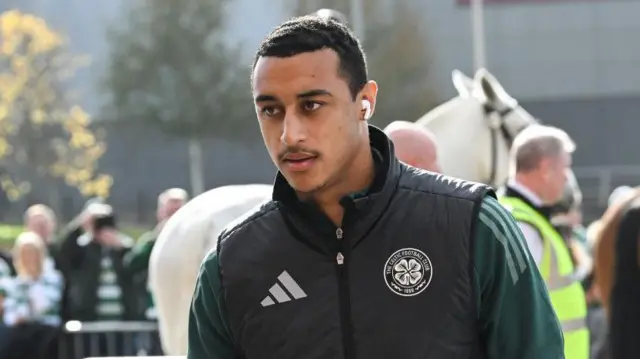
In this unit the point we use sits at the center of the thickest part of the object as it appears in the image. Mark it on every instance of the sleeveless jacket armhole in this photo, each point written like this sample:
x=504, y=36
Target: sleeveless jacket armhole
x=221, y=295
x=472, y=272
x=218, y=253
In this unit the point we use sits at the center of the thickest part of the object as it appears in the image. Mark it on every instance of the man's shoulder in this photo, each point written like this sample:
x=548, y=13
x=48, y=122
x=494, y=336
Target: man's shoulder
x=494, y=215
x=237, y=230
x=255, y=216
x=432, y=183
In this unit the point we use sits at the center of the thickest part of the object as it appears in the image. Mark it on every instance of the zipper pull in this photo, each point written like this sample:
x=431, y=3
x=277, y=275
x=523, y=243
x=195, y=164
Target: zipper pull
x=339, y=233
x=340, y=259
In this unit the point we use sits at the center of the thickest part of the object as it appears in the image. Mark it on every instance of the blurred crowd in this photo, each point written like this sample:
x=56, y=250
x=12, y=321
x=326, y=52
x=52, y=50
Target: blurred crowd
x=90, y=272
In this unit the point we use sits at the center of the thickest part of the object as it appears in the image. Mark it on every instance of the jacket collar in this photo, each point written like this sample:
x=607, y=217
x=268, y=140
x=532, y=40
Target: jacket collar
x=361, y=209
x=387, y=166
x=513, y=191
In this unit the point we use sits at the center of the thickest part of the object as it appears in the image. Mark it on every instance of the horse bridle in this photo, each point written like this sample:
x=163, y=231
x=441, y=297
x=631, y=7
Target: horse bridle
x=501, y=128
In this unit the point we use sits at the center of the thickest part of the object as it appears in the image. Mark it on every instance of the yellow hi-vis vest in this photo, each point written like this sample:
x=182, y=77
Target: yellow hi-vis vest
x=557, y=270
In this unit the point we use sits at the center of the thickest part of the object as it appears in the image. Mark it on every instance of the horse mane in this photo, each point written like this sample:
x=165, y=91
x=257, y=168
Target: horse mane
x=604, y=248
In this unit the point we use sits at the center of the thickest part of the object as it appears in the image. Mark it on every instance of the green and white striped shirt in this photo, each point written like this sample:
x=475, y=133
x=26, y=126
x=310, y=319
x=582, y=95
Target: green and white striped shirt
x=33, y=300
x=5, y=270
x=109, y=292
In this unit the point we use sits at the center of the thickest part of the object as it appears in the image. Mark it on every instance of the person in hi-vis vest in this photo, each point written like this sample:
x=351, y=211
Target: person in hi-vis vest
x=540, y=158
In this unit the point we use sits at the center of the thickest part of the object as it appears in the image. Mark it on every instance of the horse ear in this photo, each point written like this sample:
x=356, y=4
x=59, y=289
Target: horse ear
x=462, y=83
x=490, y=90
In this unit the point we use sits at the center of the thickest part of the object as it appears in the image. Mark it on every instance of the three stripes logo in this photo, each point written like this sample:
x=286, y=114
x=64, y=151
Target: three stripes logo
x=285, y=289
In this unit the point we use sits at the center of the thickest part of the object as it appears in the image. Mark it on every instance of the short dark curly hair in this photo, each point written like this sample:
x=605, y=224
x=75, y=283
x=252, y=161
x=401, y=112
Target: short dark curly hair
x=312, y=33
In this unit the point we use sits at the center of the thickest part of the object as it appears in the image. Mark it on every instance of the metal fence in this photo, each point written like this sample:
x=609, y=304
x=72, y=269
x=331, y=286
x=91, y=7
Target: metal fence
x=597, y=182
x=81, y=340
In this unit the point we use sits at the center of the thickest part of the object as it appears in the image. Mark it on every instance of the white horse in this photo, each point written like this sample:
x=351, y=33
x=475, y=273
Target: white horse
x=474, y=130
x=182, y=245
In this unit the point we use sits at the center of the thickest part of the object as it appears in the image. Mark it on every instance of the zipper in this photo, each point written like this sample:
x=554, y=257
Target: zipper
x=340, y=256
x=344, y=298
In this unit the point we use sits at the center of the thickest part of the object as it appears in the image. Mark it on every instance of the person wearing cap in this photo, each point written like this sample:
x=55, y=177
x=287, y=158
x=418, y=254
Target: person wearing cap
x=102, y=289
x=93, y=258
x=80, y=224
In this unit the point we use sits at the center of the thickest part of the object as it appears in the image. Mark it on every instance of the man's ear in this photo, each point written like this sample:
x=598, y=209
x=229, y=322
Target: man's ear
x=367, y=99
x=545, y=165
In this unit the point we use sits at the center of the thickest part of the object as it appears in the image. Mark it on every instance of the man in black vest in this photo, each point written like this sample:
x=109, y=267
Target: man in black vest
x=359, y=255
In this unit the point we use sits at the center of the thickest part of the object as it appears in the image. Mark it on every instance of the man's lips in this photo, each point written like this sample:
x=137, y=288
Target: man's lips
x=297, y=157
x=298, y=162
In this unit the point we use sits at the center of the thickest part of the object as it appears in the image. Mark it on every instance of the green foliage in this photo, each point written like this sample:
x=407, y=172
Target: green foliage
x=42, y=134
x=171, y=67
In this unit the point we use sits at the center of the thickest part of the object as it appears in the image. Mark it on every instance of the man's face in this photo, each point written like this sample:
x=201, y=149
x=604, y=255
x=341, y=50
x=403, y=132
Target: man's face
x=31, y=258
x=41, y=225
x=555, y=176
x=105, y=234
x=310, y=123
x=169, y=209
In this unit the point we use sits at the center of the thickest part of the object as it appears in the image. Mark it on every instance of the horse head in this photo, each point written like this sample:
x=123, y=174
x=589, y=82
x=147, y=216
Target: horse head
x=474, y=130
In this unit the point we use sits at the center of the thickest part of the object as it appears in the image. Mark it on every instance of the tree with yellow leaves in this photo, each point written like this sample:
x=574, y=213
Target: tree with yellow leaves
x=41, y=134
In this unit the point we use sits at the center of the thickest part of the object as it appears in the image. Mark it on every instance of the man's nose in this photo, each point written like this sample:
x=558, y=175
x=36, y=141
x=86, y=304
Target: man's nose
x=294, y=130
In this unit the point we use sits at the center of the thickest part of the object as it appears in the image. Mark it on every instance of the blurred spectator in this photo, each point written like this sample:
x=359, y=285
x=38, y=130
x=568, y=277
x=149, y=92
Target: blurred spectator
x=137, y=261
x=41, y=220
x=31, y=302
x=169, y=202
x=619, y=194
x=98, y=287
x=82, y=222
x=414, y=145
x=66, y=248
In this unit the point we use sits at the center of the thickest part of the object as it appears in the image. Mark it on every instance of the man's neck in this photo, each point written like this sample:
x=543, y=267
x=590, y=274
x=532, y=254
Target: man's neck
x=359, y=177
x=529, y=187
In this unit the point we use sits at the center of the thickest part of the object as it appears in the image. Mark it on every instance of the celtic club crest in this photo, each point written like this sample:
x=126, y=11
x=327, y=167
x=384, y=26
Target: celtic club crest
x=408, y=272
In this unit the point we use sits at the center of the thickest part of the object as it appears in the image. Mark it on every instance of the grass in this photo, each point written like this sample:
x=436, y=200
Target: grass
x=9, y=232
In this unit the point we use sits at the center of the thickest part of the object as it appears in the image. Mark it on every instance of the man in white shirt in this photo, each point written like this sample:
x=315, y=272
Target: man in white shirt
x=540, y=159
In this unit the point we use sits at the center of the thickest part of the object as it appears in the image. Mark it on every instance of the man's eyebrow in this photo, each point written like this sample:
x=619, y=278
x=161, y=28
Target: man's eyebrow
x=305, y=94
x=265, y=98
x=313, y=93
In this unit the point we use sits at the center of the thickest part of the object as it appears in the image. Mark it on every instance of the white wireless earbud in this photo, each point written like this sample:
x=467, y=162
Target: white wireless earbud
x=366, y=106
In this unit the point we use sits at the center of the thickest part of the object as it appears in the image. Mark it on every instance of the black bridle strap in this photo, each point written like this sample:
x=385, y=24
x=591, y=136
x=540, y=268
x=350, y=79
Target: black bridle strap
x=506, y=135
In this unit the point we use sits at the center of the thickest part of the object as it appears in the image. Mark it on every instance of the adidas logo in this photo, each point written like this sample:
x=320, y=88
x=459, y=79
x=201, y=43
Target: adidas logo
x=278, y=295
